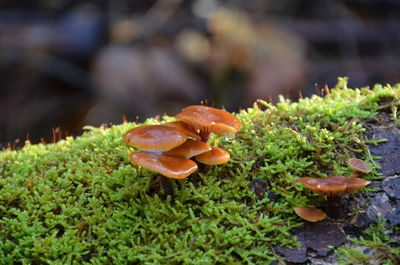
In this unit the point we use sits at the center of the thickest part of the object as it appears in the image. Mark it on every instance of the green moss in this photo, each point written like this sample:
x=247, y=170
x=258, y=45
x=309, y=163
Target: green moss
x=81, y=201
x=375, y=247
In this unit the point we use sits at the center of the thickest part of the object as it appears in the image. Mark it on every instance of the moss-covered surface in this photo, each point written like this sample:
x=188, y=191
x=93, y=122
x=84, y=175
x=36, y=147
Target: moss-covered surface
x=81, y=201
x=374, y=247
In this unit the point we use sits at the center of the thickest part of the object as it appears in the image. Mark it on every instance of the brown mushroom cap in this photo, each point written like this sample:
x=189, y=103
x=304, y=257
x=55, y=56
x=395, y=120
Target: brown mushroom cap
x=335, y=185
x=187, y=128
x=354, y=184
x=215, y=156
x=211, y=119
x=310, y=214
x=169, y=166
x=359, y=165
x=155, y=137
x=189, y=149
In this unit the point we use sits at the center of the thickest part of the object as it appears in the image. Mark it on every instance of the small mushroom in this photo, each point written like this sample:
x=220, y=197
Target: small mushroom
x=155, y=137
x=310, y=214
x=208, y=119
x=216, y=156
x=359, y=167
x=333, y=187
x=168, y=166
x=189, y=149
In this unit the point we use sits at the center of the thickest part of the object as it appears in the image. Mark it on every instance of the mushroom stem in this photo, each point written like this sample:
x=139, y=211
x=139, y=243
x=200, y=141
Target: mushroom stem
x=205, y=135
x=356, y=174
x=203, y=168
x=333, y=206
x=165, y=184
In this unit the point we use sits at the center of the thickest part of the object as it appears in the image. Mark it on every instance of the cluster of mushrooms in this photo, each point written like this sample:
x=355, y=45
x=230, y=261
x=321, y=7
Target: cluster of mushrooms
x=171, y=148
x=333, y=187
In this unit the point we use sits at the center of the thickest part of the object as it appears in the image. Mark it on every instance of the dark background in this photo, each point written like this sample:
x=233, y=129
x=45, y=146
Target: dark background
x=65, y=64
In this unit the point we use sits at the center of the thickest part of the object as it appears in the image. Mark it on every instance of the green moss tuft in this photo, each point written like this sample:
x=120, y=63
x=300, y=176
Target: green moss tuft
x=375, y=247
x=80, y=201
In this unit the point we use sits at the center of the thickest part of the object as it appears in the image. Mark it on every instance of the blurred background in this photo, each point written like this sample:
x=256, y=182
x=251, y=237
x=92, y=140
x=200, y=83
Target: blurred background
x=68, y=63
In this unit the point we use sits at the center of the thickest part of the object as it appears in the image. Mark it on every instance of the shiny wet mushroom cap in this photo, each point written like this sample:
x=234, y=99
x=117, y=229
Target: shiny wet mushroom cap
x=169, y=166
x=334, y=185
x=310, y=214
x=210, y=119
x=189, y=149
x=155, y=137
x=359, y=165
x=215, y=156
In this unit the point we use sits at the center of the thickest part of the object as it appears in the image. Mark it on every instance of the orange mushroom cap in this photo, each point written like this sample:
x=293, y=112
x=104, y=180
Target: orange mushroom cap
x=335, y=185
x=354, y=184
x=310, y=214
x=187, y=128
x=169, y=166
x=189, y=149
x=155, y=137
x=211, y=119
x=215, y=156
x=359, y=165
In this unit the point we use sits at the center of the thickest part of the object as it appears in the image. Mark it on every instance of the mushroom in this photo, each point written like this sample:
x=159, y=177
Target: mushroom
x=159, y=138
x=168, y=166
x=189, y=149
x=359, y=167
x=208, y=119
x=216, y=156
x=310, y=214
x=333, y=187
x=155, y=137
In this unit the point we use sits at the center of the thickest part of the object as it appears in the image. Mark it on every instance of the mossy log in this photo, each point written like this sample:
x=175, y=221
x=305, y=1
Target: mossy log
x=81, y=201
